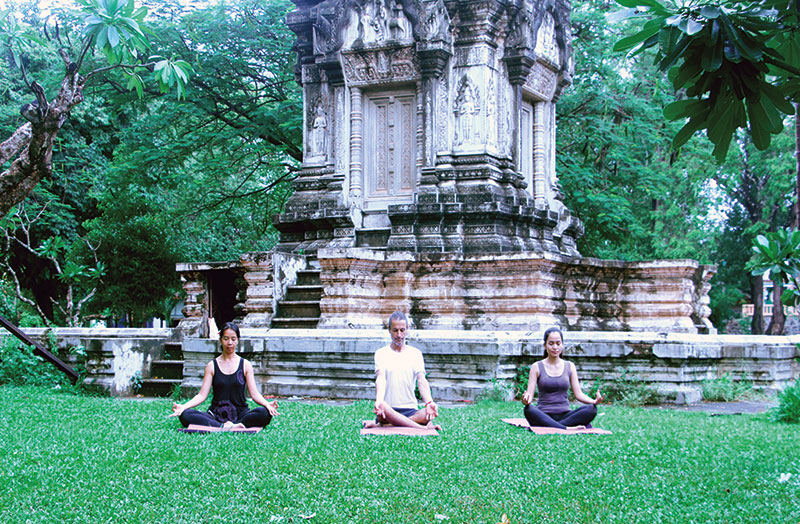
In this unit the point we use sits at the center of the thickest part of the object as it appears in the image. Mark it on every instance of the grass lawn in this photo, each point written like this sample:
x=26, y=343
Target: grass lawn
x=68, y=458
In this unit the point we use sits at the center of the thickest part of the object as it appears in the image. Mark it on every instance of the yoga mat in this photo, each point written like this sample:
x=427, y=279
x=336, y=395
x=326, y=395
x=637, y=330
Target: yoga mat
x=397, y=430
x=194, y=428
x=521, y=422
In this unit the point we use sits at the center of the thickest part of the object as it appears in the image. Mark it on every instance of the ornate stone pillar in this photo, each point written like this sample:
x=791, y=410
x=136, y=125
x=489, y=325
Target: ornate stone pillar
x=356, y=147
x=539, y=142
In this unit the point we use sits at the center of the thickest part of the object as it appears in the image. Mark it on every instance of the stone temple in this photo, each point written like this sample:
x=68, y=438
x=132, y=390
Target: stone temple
x=429, y=185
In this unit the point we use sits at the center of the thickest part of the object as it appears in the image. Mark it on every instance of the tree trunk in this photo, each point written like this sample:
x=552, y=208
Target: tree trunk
x=796, y=207
x=757, y=292
x=35, y=161
x=778, y=319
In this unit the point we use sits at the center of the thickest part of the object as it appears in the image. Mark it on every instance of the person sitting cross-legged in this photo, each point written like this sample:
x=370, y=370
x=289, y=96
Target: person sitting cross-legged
x=228, y=374
x=398, y=368
x=553, y=376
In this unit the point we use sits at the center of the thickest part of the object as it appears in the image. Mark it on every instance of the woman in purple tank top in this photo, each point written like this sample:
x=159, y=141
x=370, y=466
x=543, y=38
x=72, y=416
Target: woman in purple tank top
x=553, y=376
x=228, y=374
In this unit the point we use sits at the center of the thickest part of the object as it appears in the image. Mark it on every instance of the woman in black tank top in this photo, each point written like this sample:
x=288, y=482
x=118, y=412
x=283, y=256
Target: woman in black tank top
x=227, y=375
x=553, y=376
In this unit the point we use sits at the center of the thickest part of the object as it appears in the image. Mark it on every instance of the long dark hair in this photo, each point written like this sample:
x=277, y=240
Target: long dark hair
x=233, y=327
x=547, y=334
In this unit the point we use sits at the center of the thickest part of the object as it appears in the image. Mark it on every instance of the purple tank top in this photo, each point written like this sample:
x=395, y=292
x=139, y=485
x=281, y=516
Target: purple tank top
x=553, y=390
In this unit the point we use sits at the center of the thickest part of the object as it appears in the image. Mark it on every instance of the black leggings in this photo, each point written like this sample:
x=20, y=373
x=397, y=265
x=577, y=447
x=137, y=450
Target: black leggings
x=254, y=418
x=577, y=417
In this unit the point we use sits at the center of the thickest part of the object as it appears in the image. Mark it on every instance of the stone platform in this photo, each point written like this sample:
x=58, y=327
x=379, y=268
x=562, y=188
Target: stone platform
x=338, y=363
x=461, y=364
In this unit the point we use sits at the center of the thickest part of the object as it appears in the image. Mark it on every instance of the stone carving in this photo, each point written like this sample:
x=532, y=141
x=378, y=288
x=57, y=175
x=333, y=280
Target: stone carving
x=466, y=109
x=541, y=81
x=319, y=129
x=491, y=111
x=437, y=23
x=545, y=40
x=441, y=125
x=376, y=21
x=381, y=66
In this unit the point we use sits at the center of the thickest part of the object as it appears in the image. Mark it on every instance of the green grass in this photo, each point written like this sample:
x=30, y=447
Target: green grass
x=68, y=458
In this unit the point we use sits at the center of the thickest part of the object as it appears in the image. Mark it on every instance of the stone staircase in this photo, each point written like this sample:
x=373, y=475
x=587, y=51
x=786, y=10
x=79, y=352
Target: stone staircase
x=165, y=373
x=300, y=307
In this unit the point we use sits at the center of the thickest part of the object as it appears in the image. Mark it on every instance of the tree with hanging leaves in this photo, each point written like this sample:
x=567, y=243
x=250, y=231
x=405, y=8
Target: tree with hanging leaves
x=115, y=28
x=737, y=62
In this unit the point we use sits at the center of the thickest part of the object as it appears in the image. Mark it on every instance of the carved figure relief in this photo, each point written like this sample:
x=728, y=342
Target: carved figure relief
x=491, y=111
x=519, y=35
x=441, y=125
x=375, y=22
x=437, y=24
x=466, y=110
x=382, y=66
x=546, y=46
x=319, y=129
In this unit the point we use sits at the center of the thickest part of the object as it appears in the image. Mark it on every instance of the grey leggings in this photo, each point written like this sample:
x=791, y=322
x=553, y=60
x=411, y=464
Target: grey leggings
x=253, y=418
x=581, y=416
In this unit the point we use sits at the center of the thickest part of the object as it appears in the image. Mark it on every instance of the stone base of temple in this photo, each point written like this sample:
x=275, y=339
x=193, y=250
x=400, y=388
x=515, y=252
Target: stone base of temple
x=515, y=291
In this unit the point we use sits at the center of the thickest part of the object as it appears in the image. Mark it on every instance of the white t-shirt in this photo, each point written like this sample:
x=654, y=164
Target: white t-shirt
x=401, y=369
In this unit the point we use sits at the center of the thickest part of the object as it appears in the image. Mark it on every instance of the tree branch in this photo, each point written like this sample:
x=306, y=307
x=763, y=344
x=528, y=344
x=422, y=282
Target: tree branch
x=15, y=143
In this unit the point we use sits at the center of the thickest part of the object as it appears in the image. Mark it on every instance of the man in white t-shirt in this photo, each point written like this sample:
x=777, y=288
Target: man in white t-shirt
x=398, y=368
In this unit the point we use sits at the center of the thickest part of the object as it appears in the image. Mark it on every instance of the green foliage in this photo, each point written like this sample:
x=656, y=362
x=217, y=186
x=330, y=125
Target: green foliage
x=628, y=389
x=20, y=367
x=496, y=391
x=738, y=62
x=636, y=197
x=137, y=382
x=726, y=388
x=788, y=409
x=115, y=27
x=520, y=383
x=202, y=175
x=176, y=393
x=779, y=254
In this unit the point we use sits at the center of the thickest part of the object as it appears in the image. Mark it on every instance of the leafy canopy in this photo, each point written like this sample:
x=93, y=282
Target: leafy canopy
x=738, y=62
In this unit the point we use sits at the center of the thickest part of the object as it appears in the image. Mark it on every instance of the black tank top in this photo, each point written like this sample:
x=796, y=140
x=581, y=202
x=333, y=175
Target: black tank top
x=229, y=387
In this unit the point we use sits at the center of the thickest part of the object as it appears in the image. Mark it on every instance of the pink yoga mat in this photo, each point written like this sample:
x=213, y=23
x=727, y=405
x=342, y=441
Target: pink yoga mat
x=521, y=422
x=397, y=430
x=194, y=428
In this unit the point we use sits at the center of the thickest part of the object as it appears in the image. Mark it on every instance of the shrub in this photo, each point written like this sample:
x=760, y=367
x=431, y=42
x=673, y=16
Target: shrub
x=628, y=389
x=496, y=391
x=521, y=381
x=20, y=367
x=726, y=388
x=788, y=409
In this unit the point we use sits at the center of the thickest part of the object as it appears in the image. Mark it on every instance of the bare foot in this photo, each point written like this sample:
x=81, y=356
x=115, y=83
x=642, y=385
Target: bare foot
x=431, y=425
x=367, y=424
x=230, y=426
x=576, y=427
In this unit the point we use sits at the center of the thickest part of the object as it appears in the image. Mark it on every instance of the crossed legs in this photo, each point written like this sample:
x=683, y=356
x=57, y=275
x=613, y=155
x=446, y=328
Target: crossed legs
x=409, y=419
x=254, y=418
x=570, y=419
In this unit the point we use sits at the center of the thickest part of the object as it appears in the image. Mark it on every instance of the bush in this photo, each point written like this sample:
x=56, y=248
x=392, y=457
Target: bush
x=496, y=391
x=20, y=367
x=788, y=409
x=521, y=381
x=627, y=389
x=726, y=388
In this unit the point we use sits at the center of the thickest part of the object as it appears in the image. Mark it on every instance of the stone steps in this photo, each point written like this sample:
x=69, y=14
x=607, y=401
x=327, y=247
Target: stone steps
x=165, y=373
x=300, y=307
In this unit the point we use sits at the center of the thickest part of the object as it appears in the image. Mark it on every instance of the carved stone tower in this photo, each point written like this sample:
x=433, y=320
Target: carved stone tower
x=429, y=126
